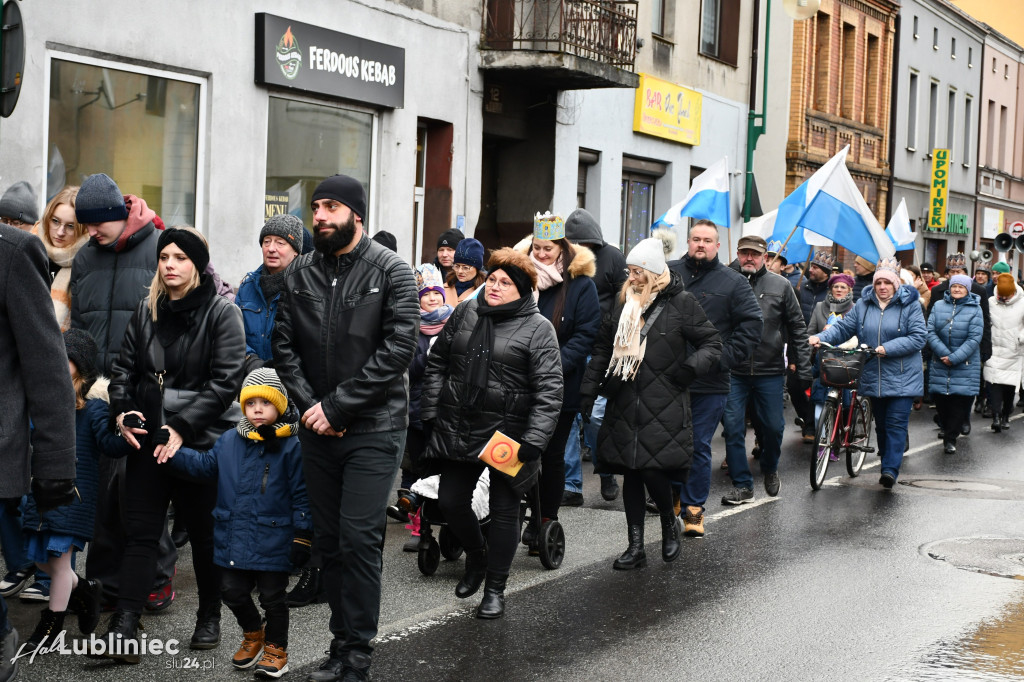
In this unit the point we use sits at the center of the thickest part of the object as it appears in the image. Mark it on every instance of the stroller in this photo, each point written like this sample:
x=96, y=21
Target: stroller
x=551, y=538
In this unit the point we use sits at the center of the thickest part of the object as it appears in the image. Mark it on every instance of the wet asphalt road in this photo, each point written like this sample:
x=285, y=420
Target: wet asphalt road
x=836, y=584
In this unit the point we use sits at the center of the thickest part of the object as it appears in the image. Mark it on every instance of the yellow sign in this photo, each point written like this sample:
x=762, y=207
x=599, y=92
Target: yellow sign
x=502, y=453
x=938, y=198
x=667, y=110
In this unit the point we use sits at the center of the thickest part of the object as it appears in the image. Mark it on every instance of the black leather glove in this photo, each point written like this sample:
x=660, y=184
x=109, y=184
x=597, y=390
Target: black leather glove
x=302, y=548
x=51, y=493
x=528, y=453
x=586, y=408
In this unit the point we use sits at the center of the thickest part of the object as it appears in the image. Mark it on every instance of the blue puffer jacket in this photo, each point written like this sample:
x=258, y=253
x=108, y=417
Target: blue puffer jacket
x=955, y=329
x=92, y=438
x=261, y=500
x=900, y=329
x=257, y=314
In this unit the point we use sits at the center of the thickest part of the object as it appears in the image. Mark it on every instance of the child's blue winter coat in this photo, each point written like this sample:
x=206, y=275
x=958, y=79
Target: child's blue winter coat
x=261, y=500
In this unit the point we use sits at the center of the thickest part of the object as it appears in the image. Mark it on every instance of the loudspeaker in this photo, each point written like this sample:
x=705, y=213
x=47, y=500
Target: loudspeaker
x=1018, y=243
x=986, y=255
x=1003, y=242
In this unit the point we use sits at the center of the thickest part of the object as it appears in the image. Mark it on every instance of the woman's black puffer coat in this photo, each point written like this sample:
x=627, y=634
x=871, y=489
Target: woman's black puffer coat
x=207, y=357
x=647, y=422
x=524, y=385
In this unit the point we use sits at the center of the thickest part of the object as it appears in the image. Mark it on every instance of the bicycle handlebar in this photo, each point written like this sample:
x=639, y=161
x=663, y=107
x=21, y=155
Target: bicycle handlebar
x=863, y=348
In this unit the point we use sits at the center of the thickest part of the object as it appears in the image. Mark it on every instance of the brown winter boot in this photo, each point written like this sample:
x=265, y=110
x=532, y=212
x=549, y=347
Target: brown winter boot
x=249, y=652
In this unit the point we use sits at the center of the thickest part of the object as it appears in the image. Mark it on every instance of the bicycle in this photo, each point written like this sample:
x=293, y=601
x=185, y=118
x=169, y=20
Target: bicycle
x=840, y=370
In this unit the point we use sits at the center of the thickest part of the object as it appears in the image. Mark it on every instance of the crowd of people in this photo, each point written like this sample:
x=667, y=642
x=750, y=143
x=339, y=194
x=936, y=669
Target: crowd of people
x=274, y=420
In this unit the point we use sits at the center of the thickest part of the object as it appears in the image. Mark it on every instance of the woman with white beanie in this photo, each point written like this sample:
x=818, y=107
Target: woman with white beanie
x=652, y=346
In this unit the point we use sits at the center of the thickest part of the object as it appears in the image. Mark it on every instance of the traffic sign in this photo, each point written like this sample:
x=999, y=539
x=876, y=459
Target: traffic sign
x=1016, y=228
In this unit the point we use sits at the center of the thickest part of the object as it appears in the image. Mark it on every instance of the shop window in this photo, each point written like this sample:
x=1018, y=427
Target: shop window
x=719, y=29
x=140, y=126
x=306, y=142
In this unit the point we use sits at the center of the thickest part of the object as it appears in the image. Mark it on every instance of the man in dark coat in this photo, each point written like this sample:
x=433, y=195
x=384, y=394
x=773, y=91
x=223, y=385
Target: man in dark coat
x=729, y=303
x=582, y=228
x=445, y=257
x=762, y=378
x=346, y=330
x=864, y=271
x=37, y=384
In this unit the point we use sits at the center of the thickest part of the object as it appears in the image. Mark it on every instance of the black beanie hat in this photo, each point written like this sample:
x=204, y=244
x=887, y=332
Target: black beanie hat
x=187, y=241
x=82, y=351
x=345, y=189
x=385, y=238
x=450, y=238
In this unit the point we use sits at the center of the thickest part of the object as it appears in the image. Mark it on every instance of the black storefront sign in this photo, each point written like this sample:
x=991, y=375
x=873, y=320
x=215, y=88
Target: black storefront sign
x=291, y=54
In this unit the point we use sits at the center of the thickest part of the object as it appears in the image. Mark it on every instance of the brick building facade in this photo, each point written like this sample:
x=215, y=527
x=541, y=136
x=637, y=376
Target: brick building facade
x=840, y=95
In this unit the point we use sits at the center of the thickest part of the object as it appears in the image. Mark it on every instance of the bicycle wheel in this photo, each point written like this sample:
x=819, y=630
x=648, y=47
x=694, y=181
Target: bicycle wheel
x=860, y=437
x=824, y=447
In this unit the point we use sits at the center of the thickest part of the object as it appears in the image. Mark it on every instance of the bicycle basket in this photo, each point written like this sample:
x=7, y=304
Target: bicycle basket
x=841, y=368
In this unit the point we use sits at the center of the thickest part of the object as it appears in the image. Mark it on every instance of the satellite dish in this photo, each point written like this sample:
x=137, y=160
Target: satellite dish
x=801, y=9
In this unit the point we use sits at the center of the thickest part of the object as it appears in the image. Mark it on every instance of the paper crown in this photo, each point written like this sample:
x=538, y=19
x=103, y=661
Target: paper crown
x=892, y=265
x=956, y=260
x=548, y=226
x=983, y=266
x=429, y=277
x=775, y=246
x=824, y=260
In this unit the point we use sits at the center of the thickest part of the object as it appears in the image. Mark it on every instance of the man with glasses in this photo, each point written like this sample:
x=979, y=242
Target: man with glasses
x=18, y=206
x=729, y=303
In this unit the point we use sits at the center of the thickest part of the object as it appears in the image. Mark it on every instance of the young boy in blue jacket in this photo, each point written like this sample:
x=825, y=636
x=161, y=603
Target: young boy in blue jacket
x=262, y=525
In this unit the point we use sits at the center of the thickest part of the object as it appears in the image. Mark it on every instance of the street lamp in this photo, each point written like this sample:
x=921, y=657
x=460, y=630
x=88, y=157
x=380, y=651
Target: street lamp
x=756, y=123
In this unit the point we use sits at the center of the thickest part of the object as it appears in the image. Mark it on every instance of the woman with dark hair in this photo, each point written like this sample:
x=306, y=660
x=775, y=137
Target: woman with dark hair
x=183, y=339
x=493, y=367
x=567, y=296
x=467, y=272
x=652, y=346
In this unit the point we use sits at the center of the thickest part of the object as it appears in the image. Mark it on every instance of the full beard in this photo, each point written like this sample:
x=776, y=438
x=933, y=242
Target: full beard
x=340, y=237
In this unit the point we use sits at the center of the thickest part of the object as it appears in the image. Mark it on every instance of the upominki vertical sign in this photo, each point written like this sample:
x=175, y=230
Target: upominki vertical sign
x=938, y=197
x=298, y=56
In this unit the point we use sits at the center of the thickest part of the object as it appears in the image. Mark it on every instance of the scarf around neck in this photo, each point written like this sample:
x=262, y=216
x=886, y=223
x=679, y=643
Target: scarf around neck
x=60, y=288
x=480, y=346
x=547, y=275
x=271, y=284
x=627, y=347
x=433, y=322
x=266, y=433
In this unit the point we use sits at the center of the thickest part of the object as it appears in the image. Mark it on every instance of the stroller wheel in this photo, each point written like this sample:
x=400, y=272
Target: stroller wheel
x=552, y=545
x=449, y=545
x=428, y=558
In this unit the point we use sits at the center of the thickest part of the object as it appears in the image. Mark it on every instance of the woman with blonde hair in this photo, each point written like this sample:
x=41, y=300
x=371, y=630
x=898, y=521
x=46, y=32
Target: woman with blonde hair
x=179, y=369
x=62, y=236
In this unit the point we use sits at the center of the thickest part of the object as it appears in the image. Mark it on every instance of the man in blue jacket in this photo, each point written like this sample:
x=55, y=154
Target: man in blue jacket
x=729, y=303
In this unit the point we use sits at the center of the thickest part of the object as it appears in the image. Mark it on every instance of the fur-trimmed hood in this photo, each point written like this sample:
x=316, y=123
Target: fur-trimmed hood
x=583, y=264
x=98, y=390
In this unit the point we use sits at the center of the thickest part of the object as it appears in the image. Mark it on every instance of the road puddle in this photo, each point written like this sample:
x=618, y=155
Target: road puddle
x=993, y=651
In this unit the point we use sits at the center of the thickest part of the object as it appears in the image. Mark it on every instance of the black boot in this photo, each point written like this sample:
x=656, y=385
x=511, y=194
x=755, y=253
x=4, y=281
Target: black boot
x=476, y=567
x=85, y=603
x=121, y=641
x=333, y=668
x=49, y=626
x=634, y=556
x=670, y=538
x=9, y=646
x=493, y=604
x=1005, y=422
x=357, y=667
x=307, y=590
x=207, y=632
x=997, y=424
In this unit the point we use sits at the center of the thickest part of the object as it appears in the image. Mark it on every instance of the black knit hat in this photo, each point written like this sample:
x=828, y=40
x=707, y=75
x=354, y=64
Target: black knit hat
x=287, y=227
x=385, y=238
x=189, y=242
x=345, y=189
x=450, y=238
x=82, y=351
x=99, y=201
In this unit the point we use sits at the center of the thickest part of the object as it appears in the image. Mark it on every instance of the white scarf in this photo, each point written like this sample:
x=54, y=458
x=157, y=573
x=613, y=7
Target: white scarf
x=627, y=348
x=60, y=289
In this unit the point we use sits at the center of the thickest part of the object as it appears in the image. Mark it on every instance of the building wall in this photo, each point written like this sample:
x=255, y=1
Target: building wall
x=770, y=155
x=440, y=58
x=999, y=90
x=840, y=88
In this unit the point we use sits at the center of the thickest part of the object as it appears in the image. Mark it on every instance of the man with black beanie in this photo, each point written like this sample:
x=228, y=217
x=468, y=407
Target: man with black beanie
x=446, y=244
x=347, y=326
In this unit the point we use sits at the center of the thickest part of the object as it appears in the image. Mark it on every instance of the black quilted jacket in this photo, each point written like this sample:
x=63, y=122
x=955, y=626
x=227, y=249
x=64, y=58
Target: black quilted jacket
x=524, y=387
x=647, y=422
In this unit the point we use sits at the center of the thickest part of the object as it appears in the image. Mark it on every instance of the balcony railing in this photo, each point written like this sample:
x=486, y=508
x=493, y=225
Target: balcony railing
x=601, y=30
